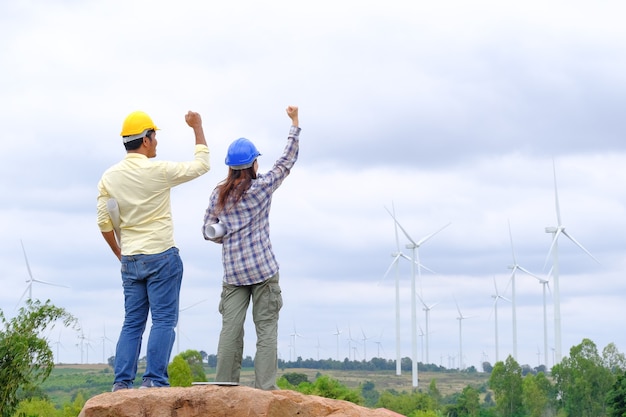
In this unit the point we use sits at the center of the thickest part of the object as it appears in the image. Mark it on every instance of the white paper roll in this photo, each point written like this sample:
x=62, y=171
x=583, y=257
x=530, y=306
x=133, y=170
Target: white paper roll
x=215, y=230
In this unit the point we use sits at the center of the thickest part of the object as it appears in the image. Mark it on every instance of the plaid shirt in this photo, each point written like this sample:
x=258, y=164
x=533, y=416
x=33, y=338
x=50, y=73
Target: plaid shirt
x=247, y=254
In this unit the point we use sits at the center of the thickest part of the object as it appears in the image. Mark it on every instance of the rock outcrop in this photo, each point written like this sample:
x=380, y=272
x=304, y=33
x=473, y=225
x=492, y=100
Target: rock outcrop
x=221, y=401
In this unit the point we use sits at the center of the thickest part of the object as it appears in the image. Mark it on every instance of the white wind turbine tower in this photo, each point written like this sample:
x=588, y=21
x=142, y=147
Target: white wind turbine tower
x=497, y=296
x=394, y=264
x=514, y=268
x=30, y=280
x=414, y=246
x=556, y=231
x=426, y=309
x=545, y=283
x=460, y=319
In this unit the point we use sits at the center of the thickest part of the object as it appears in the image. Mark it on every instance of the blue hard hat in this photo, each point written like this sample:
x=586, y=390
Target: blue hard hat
x=241, y=154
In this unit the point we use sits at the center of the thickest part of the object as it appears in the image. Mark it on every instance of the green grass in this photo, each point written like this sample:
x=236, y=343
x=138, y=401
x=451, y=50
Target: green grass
x=66, y=381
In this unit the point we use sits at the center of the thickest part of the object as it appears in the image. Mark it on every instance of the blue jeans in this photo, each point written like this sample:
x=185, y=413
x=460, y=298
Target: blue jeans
x=151, y=283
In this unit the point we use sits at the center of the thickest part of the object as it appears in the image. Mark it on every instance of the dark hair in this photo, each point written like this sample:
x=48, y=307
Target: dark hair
x=233, y=187
x=135, y=144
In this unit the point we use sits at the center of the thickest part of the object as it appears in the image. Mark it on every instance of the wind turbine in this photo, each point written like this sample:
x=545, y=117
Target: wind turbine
x=513, y=269
x=365, y=339
x=497, y=297
x=379, y=343
x=30, y=280
x=58, y=343
x=394, y=264
x=545, y=283
x=337, y=333
x=414, y=246
x=460, y=319
x=104, y=340
x=427, y=309
x=350, y=341
x=557, y=231
x=317, y=348
x=295, y=335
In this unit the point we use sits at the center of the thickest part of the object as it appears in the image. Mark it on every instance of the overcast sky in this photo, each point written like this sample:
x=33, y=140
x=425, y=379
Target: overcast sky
x=450, y=112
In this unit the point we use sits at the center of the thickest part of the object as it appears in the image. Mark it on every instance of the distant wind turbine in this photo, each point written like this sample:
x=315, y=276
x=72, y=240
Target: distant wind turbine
x=365, y=339
x=337, y=334
x=460, y=319
x=513, y=269
x=554, y=251
x=30, y=280
x=397, y=255
x=104, y=340
x=414, y=246
x=58, y=343
x=379, y=343
x=545, y=283
x=427, y=309
x=295, y=335
x=497, y=296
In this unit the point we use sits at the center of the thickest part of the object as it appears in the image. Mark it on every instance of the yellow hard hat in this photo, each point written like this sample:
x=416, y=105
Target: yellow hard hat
x=136, y=125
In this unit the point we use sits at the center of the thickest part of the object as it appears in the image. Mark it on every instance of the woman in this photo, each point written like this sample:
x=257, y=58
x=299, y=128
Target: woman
x=241, y=204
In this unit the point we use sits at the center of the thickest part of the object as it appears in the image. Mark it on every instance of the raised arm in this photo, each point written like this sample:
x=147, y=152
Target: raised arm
x=292, y=112
x=194, y=121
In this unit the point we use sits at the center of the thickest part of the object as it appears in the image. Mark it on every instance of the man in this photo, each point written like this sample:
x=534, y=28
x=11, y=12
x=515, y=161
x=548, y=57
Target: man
x=151, y=266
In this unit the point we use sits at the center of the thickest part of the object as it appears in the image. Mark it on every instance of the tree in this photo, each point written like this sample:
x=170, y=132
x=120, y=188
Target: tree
x=179, y=372
x=295, y=378
x=327, y=387
x=612, y=359
x=26, y=359
x=582, y=381
x=369, y=393
x=536, y=394
x=506, y=383
x=37, y=407
x=616, y=397
x=468, y=404
x=194, y=359
x=434, y=392
x=406, y=404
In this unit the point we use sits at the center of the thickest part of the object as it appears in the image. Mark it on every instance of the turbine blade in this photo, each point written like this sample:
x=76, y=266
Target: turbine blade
x=23, y=294
x=556, y=196
x=580, y=246
x=424, y=267
x=30, y=274
x=521, y=268
x=400, y=226
x=554, y=240
x=424, y=239
x=50, y=283
x=393, y=263
x=511, y=238
x=395, y=227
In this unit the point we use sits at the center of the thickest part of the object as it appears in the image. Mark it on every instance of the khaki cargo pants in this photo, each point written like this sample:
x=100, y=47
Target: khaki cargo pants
x=266, y=303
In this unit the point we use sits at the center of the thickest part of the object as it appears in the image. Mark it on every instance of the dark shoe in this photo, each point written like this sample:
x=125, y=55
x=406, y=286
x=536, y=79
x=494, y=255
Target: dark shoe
x=147, y=383
x=119, y=386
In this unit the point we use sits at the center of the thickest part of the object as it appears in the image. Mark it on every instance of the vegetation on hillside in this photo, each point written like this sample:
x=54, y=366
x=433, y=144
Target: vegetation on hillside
x=587, y=383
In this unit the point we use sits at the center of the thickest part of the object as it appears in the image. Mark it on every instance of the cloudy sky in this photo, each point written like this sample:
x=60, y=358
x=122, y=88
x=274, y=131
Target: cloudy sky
x=450, y=112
